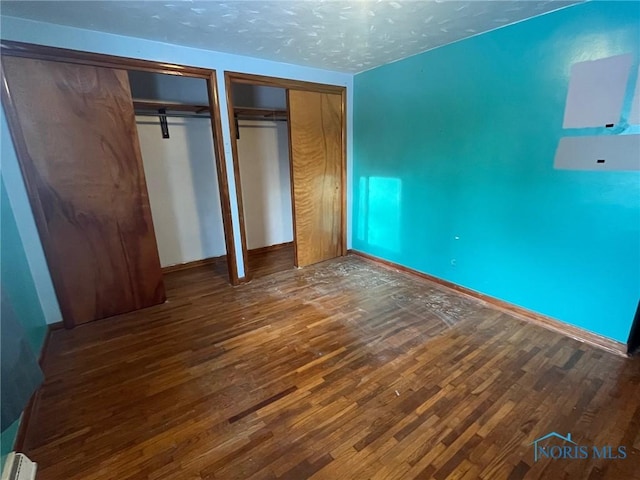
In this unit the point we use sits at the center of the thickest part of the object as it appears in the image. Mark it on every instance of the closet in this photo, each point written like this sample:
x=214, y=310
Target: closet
x=174, y=128
x=263, y=159
x=315, y=139
x=124, y=184
x=80, y=147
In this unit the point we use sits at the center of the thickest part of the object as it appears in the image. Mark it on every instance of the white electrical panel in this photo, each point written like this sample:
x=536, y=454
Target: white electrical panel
x=603, y=152
x=596, y=92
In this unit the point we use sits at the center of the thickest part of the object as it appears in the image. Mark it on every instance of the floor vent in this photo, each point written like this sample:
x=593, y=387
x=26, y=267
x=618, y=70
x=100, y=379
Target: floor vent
x=19, y=467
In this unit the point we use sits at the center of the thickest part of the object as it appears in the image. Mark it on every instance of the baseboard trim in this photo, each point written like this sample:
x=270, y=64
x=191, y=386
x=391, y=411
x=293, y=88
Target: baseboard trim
x=549, y=323
x=52, y=326
x=18, y=444
x=196, y=263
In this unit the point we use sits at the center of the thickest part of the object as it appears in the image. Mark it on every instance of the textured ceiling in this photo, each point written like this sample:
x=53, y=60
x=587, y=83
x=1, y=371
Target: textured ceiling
x=346, y=36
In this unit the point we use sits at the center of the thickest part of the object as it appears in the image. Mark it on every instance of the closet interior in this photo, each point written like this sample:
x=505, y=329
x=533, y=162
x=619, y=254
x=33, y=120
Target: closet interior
x=262, y=139
x=173, y=122
x=138, y=190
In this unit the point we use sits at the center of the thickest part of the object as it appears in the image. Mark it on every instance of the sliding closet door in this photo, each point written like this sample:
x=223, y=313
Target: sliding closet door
x=315, y=124
x=74, y=131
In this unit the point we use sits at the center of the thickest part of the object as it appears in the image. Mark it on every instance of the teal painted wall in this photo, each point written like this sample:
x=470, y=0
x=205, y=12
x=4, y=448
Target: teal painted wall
x=7, y=439
x=19, y=287
x=23, y=215
x=453, y=170
x=17, y=281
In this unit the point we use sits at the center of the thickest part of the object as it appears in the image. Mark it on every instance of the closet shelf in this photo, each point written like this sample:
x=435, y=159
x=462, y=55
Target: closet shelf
x=141, y=105
x=246, y=113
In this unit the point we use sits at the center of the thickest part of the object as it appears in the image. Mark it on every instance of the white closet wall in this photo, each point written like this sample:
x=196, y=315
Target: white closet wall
x=263, y=153
x=180, y=171
x=263, y=156
x=183, y=189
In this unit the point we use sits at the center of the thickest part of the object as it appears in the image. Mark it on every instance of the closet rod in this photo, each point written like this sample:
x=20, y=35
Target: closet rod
x=200, y=115
x=264, y=119
x=183, y=115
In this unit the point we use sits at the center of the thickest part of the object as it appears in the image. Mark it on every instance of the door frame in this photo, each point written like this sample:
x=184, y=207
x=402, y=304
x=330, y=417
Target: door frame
x=40, y=52
x=287, y=84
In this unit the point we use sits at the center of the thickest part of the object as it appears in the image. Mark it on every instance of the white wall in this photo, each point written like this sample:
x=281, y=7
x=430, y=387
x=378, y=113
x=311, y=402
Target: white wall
x=183, y=188
x=263, y=155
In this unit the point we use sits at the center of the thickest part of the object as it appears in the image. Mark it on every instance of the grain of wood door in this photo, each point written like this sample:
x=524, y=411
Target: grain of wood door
x=75, y=135
x=315, y=132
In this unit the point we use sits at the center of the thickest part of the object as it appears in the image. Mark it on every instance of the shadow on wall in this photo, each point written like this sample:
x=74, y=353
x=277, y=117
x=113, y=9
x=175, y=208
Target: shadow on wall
x=254, y=175
x=258, y=96
x=284, y=168
x=263, y=155
x=183, y=189
x=206, y=186
x=157, y=173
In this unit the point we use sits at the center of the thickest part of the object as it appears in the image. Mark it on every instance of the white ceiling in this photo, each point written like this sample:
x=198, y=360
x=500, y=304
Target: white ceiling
x=339, y=35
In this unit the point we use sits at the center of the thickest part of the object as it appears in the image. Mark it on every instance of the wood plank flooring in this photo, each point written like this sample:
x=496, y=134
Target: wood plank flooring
x=263, y=262
x=341, y=370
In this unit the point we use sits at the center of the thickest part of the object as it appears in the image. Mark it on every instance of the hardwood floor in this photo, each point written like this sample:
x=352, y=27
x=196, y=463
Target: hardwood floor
x=269, y=260
x=262, y=261
x=341, y=370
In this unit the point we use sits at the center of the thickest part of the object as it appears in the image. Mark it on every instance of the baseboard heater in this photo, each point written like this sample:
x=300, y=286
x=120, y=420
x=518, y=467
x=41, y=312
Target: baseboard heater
x=19, y=467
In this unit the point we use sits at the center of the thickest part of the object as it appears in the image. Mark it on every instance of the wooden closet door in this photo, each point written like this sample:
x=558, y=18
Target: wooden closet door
x=74, y=131
x=315, y=133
